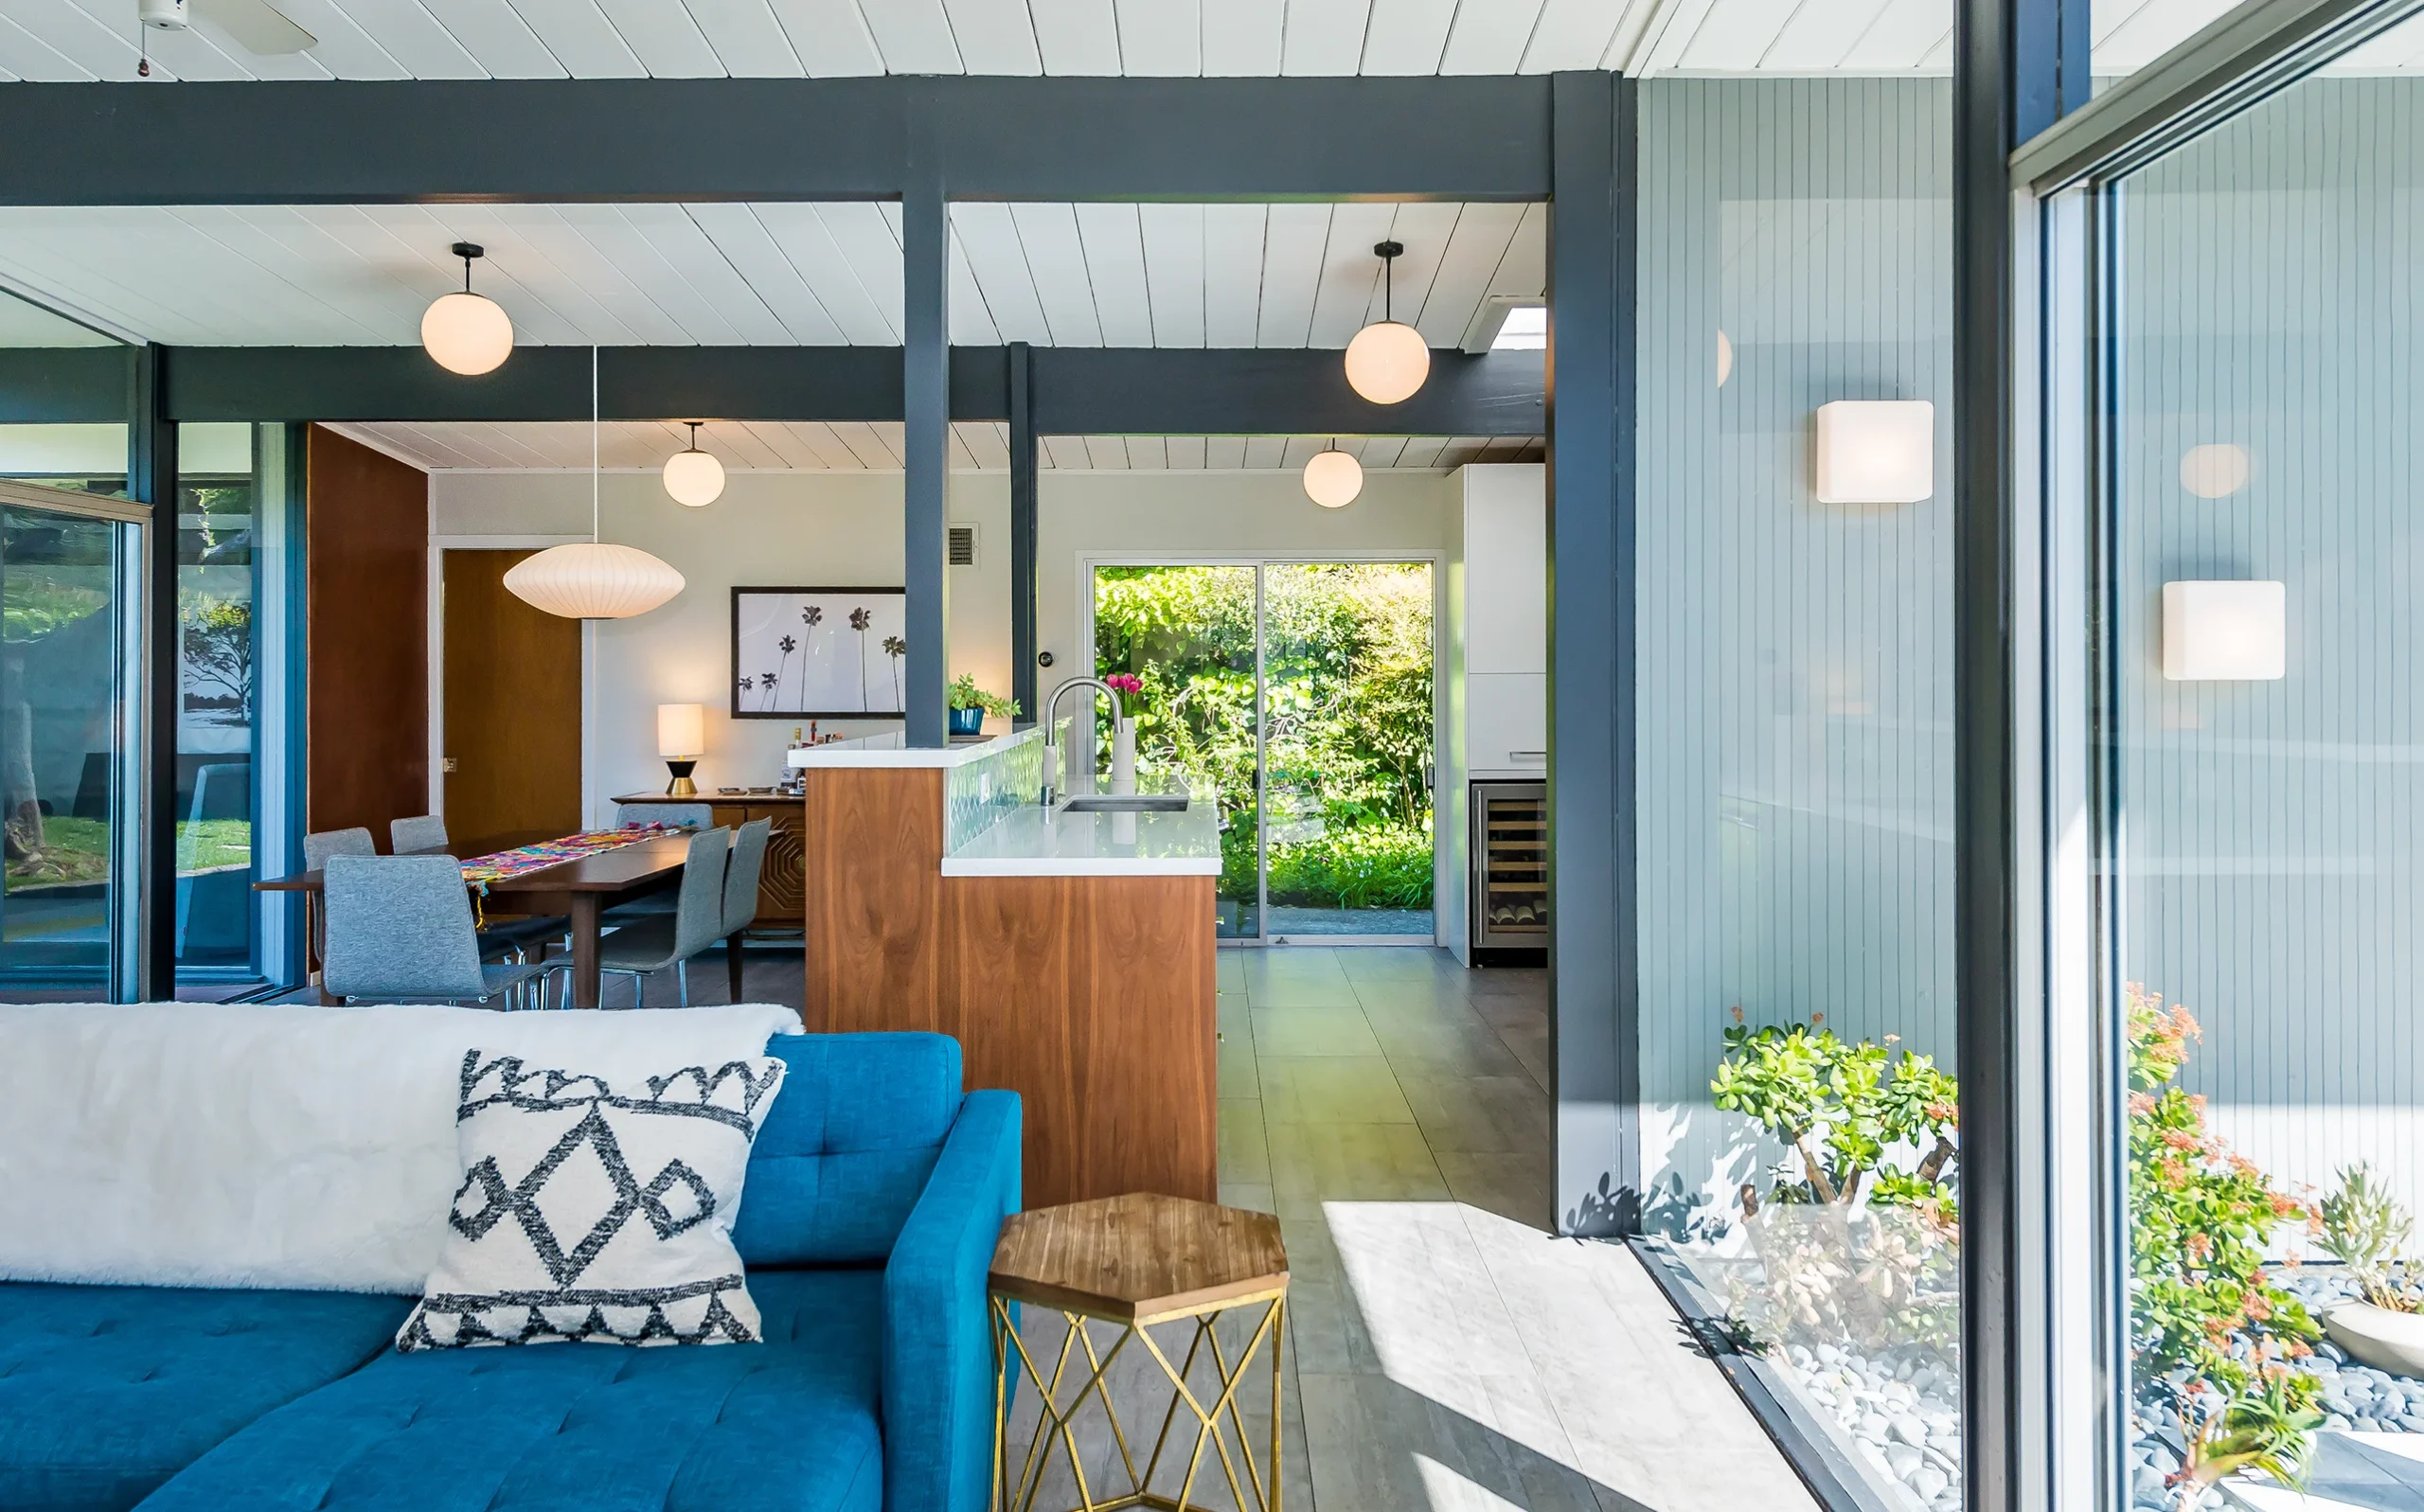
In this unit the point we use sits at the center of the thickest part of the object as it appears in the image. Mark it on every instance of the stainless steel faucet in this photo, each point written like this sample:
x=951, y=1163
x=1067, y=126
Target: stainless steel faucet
x=1052, y=784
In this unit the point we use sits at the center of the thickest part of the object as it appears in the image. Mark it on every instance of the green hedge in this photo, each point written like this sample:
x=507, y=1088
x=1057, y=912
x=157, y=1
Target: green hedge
x=1363, y=866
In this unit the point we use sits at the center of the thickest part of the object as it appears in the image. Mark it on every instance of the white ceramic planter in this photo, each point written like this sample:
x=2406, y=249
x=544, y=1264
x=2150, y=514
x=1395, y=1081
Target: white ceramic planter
x=2379, y=1337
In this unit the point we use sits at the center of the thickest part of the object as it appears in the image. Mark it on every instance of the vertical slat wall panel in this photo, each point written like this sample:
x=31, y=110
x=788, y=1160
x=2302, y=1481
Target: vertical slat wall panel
x=2268, y=298
x=1794, y=697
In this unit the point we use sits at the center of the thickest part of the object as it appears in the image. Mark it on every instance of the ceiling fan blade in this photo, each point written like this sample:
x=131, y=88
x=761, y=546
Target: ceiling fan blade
x=256, y=26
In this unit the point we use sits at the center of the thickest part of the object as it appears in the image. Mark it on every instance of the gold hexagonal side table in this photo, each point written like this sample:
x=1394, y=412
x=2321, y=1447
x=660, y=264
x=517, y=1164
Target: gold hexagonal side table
x=1132, y=1261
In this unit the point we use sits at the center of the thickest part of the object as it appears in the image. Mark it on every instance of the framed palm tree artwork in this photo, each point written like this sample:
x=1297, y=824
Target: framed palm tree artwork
x=822, y=653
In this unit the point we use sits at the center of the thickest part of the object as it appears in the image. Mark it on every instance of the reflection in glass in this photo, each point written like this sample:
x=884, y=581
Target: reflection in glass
x=217, y=727
x=1794, y=744
x=62, y=748
x=2265, y=801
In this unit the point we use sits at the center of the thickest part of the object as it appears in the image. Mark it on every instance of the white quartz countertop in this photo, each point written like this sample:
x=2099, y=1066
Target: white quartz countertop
x=893, y=750
x=1029, y=842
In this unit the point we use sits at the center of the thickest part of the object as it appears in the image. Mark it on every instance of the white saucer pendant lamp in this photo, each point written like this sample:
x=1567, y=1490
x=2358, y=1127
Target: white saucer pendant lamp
x=692, y=476
x=465, y=332
x=1333, y=478
x=592, y=579
x=1387, y=362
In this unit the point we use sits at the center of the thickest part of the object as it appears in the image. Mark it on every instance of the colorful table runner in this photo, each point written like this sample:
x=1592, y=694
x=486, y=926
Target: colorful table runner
x=546, y=853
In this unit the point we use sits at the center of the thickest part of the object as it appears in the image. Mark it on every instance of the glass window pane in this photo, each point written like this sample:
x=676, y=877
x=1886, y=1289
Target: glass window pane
x=2265, y=798
x=217, y=729
x=1348, y=731
x=1795, y=743
x=63, y=630
x=1181, y=640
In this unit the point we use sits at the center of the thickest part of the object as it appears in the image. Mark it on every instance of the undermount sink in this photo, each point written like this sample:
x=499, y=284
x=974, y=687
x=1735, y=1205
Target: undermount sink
x=1126, y=803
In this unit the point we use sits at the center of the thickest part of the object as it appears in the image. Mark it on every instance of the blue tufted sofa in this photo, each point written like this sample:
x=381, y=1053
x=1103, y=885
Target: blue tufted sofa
x=874, y=1194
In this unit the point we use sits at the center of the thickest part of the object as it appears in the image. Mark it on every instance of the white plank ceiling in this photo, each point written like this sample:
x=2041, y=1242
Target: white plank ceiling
x=603, y=39
x=773, y=275
x=845, y=447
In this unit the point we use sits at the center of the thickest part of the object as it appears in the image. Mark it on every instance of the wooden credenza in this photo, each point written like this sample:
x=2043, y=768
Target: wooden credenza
x=781, y=888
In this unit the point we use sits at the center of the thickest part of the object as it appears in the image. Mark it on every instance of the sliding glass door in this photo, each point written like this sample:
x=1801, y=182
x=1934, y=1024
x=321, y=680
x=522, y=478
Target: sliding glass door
x=70, y=600
x=1301, y=694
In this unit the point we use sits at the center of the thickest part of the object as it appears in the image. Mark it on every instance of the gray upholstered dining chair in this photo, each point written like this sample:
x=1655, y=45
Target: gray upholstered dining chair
x=741, y=876
x=399, y=930
x=318, y=849
x=678, y=815
x=504, y=938
x=420, y=832
x=741, y=873
x=650, y=945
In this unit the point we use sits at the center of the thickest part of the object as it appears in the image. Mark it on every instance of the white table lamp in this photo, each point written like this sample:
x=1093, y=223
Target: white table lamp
x=681, y=740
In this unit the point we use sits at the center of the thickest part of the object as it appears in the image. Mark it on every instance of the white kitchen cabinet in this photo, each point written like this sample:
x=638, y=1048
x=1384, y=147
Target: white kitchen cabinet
x=1507, y=724
x=1494, y=704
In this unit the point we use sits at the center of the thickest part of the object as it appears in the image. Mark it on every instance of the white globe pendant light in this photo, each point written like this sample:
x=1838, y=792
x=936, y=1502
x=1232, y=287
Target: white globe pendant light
x=693, y=477
x=592, y=579
x=465, y=332
x=1387, y=361
x=1333, y=478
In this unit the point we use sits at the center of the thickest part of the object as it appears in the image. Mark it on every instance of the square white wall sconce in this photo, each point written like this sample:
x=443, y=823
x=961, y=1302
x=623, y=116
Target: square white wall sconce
x=1876, y=451
x=2225, y=631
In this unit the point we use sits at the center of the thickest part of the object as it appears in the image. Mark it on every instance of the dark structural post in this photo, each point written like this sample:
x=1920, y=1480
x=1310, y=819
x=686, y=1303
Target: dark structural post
x=152, y=478
x=925, y=373
x=2017, y=66
x=1023, y=532
x=1591, y=975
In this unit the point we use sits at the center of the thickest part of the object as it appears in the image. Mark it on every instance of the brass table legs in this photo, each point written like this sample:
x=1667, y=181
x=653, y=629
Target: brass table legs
x=1215, y=1419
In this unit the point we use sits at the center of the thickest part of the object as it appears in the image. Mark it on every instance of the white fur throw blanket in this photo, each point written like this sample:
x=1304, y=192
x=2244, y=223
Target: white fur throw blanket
x=216, y=1145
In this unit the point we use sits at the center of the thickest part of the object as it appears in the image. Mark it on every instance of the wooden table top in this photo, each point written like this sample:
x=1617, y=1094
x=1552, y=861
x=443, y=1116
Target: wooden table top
x=1140, y=1258
x=608, y=871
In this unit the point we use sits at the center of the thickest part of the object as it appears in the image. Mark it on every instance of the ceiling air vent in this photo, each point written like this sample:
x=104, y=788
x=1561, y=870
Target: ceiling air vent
x=961, y=551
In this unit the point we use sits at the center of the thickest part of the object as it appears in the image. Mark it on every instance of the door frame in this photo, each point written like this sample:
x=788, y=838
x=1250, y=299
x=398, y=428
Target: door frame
x=1430, y=555
x=438, y=546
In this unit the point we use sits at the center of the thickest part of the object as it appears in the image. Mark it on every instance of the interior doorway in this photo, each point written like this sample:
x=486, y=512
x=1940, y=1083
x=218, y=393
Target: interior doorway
x=509, y=704
x=1302, y=694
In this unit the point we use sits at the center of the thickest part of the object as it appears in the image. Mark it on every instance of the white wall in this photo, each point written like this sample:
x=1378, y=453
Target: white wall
x=768, y=529
x=772, y=529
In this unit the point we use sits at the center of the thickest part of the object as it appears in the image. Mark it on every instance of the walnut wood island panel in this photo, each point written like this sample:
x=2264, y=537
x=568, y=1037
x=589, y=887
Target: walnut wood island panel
x=1090, y=995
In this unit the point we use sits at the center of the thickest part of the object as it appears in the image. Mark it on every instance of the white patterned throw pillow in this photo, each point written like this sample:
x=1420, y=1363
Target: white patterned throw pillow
x=596, y=1212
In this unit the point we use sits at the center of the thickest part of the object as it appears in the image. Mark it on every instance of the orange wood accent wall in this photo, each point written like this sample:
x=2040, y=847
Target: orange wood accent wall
x=368, y=548
x=1090, y=997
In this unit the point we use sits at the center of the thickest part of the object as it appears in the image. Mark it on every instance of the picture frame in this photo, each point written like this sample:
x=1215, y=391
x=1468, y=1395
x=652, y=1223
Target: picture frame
x=832, y=652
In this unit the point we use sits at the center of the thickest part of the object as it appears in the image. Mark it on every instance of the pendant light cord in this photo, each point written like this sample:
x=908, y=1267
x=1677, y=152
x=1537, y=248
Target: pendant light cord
x=592, y=440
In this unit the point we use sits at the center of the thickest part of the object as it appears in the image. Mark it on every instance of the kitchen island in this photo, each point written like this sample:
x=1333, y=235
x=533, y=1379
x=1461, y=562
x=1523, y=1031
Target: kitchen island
x=1070, y=953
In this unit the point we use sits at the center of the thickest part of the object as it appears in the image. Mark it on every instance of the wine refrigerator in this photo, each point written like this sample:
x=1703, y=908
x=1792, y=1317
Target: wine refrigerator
x=1510, y=857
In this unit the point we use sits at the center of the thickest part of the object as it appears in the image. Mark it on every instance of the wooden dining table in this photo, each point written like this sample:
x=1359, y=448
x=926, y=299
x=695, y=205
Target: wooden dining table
x=580, y=890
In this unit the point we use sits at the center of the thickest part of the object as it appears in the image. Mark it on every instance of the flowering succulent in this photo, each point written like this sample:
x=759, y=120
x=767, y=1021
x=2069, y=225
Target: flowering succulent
x=2209, y=1335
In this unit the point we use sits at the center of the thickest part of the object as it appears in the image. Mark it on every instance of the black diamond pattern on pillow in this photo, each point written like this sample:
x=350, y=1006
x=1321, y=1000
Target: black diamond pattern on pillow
x=574, y=1198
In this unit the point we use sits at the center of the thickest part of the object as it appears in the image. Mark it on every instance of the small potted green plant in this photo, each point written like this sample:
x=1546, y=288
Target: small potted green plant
x=2366, y=1229
x=970, y=704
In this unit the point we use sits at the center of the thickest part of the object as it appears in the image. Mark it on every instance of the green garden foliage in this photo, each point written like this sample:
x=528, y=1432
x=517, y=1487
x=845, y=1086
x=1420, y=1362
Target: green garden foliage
x=1347, y=724
x=2210, y=1337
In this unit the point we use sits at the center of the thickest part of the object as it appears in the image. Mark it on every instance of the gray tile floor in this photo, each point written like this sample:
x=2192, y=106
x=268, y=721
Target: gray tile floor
x=1444, y=1351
